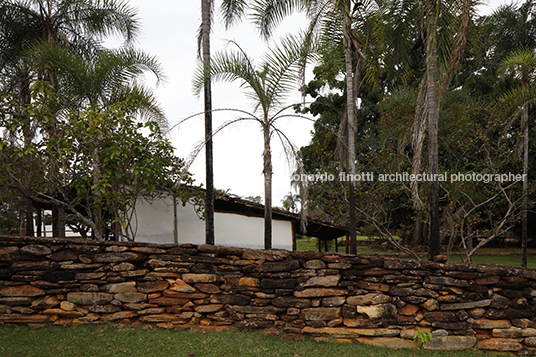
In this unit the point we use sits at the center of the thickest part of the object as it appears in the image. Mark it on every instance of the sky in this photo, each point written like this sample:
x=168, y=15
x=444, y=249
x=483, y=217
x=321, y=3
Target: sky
x=169, y=32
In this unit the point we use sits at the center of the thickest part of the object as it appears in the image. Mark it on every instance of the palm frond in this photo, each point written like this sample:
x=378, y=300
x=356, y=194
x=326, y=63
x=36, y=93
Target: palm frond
x=520, y=63
x=267, y=14
x=509, y=105
x=233, y=11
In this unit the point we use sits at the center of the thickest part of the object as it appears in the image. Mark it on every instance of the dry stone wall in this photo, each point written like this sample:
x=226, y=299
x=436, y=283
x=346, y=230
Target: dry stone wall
x=371, y=299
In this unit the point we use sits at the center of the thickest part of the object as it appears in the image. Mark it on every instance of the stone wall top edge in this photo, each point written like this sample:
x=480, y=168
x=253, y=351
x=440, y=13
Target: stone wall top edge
x=308, y=255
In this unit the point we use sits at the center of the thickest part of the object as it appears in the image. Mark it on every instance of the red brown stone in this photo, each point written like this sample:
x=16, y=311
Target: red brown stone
x=35, y=249
x=500, y=344
x=168, y=301
x=119, y=316
x=112, y=257
x=321, y=313
x=152, y=311
x=220, y=250
x=160, y=318
x=206, y=309
x=124, y=287
x=320, y=292
x=208, y=288
x=152, y=286
x=267, y=255
x=23, y=265
x=103, y=309
x=8, y=250
x=23, y=319
x=64, y=255
x=89, y=298
x=63, y=313
x=134, y=273
x=153, y=276
x=408, y=310
x=180, y=295
x=131, y=297
x=125, y=266
x=22, y=290
x=16, y=300
x=373, y=286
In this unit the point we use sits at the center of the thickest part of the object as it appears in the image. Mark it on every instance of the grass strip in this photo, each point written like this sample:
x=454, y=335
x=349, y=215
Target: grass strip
x=108, y=340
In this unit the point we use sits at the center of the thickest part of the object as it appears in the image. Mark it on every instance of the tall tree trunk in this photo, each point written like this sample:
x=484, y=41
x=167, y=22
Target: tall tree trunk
x=350, y=112
x=267, y=171
x=525, y=126
x=434, y=243
x=206, y=11
x=26, y=99
x=61, y=222
x=98, y=209
x=39, y=221
x=58, y=222
x=419, y=230
x=29, y=218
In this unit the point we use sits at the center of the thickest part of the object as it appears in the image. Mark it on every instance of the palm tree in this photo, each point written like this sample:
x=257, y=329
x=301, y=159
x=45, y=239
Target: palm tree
x=79, y=23
x=232, y=10
x=444, y=27
x=510, y=39
x=334, y=19
x=84, y=84
x=267, y=85
x=523, y=64
x=111, y=76
x=206, y=15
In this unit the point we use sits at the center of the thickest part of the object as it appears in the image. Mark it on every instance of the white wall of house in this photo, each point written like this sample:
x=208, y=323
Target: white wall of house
x=155, y=225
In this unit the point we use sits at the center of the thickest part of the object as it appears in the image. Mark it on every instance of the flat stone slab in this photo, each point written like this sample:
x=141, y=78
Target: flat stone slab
x=89, y=298
x=450, y=343
x=391, y=342
x=466, y=305
x=320, y=292
x=350, y=332
x=500, y=344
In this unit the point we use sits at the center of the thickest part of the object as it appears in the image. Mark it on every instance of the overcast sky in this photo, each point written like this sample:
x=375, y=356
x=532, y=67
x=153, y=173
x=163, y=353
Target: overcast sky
x=169, y=32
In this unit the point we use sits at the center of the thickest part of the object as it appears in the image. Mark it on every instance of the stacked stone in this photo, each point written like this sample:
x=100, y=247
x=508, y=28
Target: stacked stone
x=372, y=299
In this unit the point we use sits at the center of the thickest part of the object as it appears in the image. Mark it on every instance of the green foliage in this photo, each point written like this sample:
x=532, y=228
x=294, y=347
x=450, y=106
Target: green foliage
x=422, y=336
x=96, y=162
x=477, y=132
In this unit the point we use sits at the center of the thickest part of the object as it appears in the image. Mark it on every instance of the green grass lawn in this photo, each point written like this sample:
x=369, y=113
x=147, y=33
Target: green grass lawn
x=513, y=260
x=486, y=255
x=105, y=340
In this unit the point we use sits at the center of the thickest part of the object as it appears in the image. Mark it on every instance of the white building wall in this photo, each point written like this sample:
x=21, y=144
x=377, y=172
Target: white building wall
x=155, y=225
x=248, y=232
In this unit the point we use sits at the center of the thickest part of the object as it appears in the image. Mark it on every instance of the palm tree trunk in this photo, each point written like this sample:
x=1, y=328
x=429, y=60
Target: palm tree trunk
x=525, y=126
x=434, y=244
x=25, y=99
x=206, y=10
x=267, y=171
x=350, y=112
